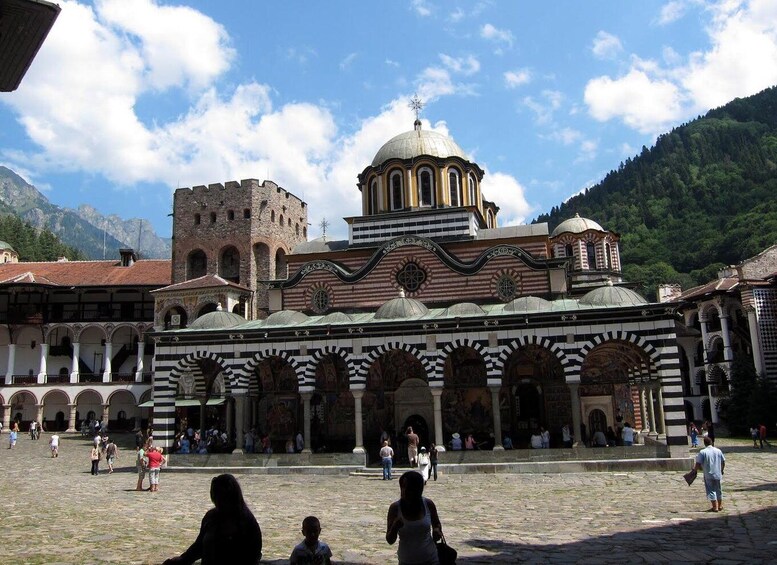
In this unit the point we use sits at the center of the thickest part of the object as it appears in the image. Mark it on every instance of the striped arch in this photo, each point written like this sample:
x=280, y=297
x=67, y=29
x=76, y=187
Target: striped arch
x=189, y=365
x=523, y=341
x=318, y=356
x=639, y=341
x=372, y=356
x=254, y=362
x=456, y=344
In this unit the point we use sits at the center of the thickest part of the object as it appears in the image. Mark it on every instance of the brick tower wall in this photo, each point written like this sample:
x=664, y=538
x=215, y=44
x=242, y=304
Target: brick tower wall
x=246, y=215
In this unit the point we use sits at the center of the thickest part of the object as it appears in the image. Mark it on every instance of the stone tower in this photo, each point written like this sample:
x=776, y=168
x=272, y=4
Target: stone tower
x=240, y=231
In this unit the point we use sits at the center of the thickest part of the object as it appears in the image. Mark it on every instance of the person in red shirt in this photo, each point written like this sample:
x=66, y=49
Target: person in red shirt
x=762, y=436
x=155, y=462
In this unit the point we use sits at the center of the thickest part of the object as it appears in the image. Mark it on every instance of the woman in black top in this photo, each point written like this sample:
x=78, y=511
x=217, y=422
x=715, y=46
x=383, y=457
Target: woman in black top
x=229, y=533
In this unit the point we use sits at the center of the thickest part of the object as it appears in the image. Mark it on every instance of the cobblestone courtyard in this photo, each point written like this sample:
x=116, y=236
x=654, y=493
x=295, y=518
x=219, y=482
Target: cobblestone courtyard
x=54, y=511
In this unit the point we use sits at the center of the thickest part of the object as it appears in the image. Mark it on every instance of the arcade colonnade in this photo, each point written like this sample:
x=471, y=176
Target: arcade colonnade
x=577, y=377
x=63, y=408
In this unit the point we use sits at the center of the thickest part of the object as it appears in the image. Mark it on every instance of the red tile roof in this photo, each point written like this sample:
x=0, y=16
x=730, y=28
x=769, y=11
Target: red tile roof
x=146, y=272
x=720, y=285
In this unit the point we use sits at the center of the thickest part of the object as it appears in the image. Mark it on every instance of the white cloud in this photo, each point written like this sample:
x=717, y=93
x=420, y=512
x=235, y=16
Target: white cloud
x=545, y=108
x=509, y=195
x=565, y=136
x=421, y=7
x=671, y=12
x=500, y=36
x=606, y=46
x=516, y=78
x=347, y=61
x=468, y=65
x=643, y=103
x=587, y=151
x=740, y=61
x=391, y=63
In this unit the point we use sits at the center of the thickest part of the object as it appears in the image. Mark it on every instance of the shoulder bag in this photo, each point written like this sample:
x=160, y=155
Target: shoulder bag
x=445, y=553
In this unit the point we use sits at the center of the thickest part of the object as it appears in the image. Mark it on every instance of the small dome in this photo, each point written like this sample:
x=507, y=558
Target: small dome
x=336, y=318
x=612, y=296
x=4, y=246
x=285, y=318
x=528, y=304
x=463, y=309
x=418, y=142
x=319, y=245
x=401, y=308
x=562, y=304
x=576, y=225
x=218, y=320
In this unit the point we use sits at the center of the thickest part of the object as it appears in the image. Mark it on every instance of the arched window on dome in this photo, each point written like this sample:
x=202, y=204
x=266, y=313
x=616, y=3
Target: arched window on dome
x=454, y=187
x=473, y=190
x=608, y=256
x=397, y=190
x=568, y=250
x=372, y=198
x=490, y=219
x=425, y=187
x=590, y=250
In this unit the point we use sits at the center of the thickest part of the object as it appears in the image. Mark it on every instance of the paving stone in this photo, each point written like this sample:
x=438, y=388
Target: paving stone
x=53, y=511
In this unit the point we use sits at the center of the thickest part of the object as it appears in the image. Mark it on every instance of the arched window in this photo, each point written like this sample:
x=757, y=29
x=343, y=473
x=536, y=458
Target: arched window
x=213, y=217
x=272, y=215
x=568, y=250
x=608, y=256
x=229, y=264
x=280, y=220
x=590, y=249
x=231, y=215
x=281, y=266
x=473, y=190
x=490, y=221
x=454, y=186
x=197, y=220
x=425, y=187
x=372, y=198
x=197, y=265
x=397, y=191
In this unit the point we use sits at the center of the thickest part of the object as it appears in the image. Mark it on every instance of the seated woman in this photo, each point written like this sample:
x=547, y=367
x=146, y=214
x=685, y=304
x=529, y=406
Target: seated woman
x=536, y=440
x=229, y=533
x=185, y=445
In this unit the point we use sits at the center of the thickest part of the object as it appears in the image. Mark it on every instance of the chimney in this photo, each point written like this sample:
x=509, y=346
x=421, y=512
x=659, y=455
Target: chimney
x=128, y=257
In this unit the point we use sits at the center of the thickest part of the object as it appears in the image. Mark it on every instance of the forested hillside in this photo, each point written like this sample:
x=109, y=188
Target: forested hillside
x=705, y=195
x=34, y=245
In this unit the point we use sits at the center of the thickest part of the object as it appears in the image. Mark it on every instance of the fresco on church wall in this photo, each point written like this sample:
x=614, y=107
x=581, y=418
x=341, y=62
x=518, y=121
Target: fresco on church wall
x=466, y=400
x=332, y=407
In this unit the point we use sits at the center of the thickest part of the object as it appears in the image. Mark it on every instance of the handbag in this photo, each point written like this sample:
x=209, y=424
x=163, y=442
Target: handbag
x=445, y=553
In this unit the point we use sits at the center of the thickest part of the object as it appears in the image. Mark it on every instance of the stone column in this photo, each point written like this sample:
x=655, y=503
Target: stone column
x=642, y=412
x=439, y=440
x=704, y=337
x=108, y=355
x=39, y=414
x=574, y=393
x=306, y=396
x=11, y=363
x=239, y=417
x=202, y=417
x=139, y=362
x=728, y=353
x=6, y=417
x=44, y=353
x=661, y=418
x=230, y=407
x=72, y=425
x=652, y=412
x=755, y=340
x=74, y=364
x=357, y=405
x=497, y=418
x=106, y=414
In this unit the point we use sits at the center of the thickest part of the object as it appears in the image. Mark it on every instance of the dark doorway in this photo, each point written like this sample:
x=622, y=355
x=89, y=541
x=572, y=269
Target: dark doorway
x=597, y=422
x=421, y=429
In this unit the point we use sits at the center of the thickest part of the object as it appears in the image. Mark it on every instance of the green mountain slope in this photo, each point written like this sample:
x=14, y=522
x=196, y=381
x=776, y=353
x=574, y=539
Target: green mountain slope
x=704, y=195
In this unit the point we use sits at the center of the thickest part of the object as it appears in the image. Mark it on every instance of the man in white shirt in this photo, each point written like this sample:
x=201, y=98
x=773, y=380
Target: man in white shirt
x=54, y=445
x=627, y=433
x=712, y=461
x=387, y=458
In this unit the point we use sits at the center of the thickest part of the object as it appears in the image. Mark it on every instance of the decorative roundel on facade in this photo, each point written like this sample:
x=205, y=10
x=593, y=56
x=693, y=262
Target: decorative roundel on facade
x=411, y=276
x=506, y=287
x=320, y=300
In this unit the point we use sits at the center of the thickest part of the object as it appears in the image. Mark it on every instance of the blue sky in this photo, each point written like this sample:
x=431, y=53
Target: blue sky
x=129, y=99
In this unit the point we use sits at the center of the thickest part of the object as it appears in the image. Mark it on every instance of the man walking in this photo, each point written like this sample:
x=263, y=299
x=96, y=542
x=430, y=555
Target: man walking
x=412, y=446
x=386, y=457
x=762, y=436
x=712, y=461
x=54, y=445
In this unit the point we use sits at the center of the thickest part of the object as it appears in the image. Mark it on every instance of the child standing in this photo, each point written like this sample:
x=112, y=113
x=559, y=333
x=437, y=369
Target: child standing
x=311, y=550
